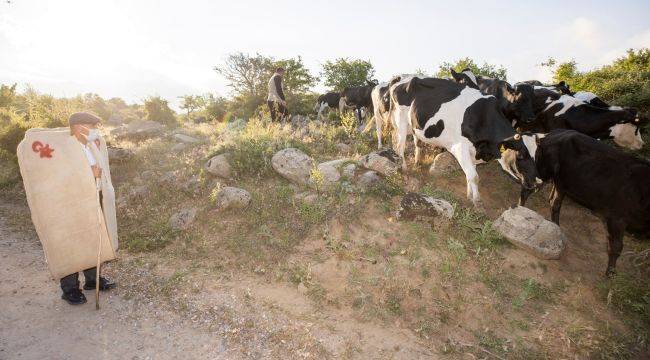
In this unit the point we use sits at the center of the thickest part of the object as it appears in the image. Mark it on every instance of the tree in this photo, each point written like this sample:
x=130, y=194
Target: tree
x=192, y=103
x=485, y=70
x=248, y=77
x=625, y=82
x=216, y=107
x=157, y=109
x=343, y=73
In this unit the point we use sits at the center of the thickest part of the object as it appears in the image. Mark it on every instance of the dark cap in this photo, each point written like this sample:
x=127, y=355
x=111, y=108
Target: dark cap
x=83, y=118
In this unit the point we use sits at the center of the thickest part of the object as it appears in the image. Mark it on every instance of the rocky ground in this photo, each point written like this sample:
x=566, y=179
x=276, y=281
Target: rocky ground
x=257, y=240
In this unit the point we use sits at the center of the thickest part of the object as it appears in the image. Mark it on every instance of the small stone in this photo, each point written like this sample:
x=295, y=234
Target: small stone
x=183, y=219
x=343, y=148
x=293, y=164
x=219, y=166
x=530, y=231
x=185, y=139
x=232, y=198
x=119, y=155
x=414, y=205
x=385, y=162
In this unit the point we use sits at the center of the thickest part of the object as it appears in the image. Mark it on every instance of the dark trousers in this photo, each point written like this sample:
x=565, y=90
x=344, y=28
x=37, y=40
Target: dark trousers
x=281, y=109
x=71, y=282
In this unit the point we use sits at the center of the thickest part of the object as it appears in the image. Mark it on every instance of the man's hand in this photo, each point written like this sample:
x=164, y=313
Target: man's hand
x=97, y=171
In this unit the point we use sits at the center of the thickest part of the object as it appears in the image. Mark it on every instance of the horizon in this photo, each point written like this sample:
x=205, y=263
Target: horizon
x=136, y=50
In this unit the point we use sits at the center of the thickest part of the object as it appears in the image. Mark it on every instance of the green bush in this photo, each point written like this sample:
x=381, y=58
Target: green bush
x=12, y=130
x=158, y=110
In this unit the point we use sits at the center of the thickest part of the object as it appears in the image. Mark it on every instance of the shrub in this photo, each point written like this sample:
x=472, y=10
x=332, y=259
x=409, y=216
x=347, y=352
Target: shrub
x=158, y=110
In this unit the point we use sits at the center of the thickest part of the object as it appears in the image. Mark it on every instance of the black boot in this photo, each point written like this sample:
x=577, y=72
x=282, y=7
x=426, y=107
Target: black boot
x=104, y=284
x=74, y=297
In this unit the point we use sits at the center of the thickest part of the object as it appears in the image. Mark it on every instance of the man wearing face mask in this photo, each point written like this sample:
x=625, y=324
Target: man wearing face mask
x=84, y=127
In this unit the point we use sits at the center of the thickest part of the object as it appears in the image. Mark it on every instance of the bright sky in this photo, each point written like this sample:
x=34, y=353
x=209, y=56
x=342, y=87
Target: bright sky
x=133, y=49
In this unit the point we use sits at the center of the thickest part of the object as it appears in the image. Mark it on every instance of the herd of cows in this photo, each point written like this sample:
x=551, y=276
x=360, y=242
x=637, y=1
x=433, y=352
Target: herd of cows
x=538, y=133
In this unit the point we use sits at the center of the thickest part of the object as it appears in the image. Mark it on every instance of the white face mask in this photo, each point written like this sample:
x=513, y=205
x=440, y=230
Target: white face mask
x=93, y=134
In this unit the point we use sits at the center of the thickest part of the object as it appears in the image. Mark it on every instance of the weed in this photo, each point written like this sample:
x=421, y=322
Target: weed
x=531, y=290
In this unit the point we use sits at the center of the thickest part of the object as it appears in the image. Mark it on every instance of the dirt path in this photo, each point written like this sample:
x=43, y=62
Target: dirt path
x=36, y=324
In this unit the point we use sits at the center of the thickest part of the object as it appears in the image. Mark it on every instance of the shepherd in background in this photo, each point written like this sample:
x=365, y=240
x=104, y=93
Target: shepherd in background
x=276, y=95
x=83, y=126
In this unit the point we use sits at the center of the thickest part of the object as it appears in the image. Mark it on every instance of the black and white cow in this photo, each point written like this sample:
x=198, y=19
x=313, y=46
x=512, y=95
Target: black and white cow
x=562, y=88
x=326, y=101
x=357, y=98
x=568, y=112
x=516, y=102
x=381, y=106
x=608, y=181
x=462, y=120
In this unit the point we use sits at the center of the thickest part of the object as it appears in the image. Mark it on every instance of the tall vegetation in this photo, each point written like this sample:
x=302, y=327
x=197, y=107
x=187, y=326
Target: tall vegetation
x=158, y=110
x=625, y=82
x=248, y=77
x=343, y=73
x=485, y=70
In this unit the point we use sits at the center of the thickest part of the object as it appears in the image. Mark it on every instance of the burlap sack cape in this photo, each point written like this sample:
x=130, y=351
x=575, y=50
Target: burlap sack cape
x=62, y=196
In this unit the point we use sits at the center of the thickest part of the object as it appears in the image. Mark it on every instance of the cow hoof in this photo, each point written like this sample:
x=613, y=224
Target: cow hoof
x=610, y=273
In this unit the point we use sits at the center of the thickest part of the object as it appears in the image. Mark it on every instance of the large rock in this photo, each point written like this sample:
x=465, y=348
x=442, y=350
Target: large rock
x=182, y=219
x=530, y=231
x=118, y=155
x=419, y=205
x=444, y=164
x=185, y=139
x=219, y=166
x=293, y=164
x=385, y=162
x=138, y=129
x=232, y=198
x=328, y=175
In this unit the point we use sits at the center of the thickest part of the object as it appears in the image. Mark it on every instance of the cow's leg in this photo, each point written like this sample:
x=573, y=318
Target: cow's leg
x=378, y=127
x=523, y=196
x=466, y=162
x=615, y=230
x=320, y=111
x=556, y=204
x=402, y=123
x=416, y=143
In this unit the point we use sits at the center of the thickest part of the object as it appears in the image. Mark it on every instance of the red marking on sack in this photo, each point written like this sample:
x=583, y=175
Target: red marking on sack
x=45, y=151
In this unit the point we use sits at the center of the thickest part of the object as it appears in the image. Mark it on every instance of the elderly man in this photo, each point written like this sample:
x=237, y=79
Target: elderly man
x=84, y=127
x=276, y=95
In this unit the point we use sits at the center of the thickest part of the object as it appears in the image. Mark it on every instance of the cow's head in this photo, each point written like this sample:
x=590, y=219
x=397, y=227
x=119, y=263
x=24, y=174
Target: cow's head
x=372, y=82
x=517, y=160
x=563, y=88
x=465, y=77
x=522, y=102
x=627, y=133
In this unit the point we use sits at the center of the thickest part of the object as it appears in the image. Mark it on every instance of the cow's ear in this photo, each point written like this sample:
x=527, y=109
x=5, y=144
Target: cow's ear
x=562, y=83
x=455, y=75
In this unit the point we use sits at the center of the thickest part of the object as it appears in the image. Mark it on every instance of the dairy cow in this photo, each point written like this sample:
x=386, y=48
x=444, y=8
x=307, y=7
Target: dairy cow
x=462, y=120
x=326, y=101
x=516, y=102
x=357, y=98
x=567, y=112
x=610, y=182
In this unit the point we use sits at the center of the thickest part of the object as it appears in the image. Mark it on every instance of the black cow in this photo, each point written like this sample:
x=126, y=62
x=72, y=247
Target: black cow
x=608, y=181
x=329, y=100
x=462, y=120
x=516, y=102
x=567, y=112
x=357, y=98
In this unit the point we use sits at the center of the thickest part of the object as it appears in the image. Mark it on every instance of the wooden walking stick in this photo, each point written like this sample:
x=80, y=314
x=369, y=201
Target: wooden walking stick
x=99, y=245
